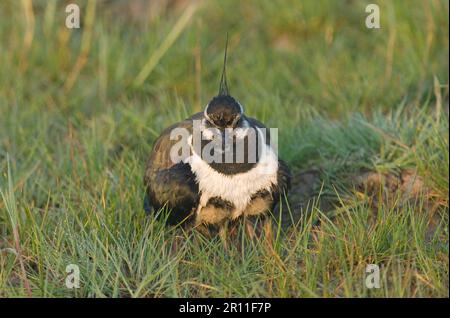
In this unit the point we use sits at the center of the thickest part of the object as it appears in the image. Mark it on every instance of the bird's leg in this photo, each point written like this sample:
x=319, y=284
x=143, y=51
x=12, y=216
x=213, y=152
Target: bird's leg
x=177, y=243
x=223, y=233
x=203, y=230
x=249, y=228
x=233, y=230
x=268, y=231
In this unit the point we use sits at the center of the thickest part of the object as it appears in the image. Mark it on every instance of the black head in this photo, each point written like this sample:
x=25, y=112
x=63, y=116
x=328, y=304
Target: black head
x=223, y=111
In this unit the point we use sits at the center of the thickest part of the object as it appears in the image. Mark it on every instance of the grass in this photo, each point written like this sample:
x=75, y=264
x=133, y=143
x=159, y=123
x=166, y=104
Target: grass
x=79, y=110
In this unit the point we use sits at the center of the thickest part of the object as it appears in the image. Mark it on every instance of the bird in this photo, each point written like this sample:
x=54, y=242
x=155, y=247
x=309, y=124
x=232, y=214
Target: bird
x=195, y=190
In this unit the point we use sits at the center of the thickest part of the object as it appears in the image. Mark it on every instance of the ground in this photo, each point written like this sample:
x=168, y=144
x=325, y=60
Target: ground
x=362, y=117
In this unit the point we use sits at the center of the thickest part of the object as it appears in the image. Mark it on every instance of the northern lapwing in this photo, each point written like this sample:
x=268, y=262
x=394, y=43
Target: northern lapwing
x=199, y=191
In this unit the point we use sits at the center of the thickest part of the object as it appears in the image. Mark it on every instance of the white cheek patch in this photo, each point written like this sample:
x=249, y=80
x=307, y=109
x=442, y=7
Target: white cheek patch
x=242, y=108
x=205, y=113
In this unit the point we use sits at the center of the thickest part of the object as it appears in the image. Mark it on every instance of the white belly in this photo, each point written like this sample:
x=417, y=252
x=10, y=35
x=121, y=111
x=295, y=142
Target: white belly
x=238, y=188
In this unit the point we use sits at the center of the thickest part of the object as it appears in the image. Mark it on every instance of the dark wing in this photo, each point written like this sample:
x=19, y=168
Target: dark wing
x=284, y=173
x=281, y=189
x=283, y=177
x=170, y=184
x=257, y=124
